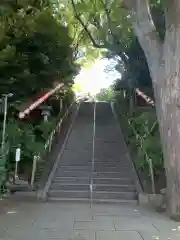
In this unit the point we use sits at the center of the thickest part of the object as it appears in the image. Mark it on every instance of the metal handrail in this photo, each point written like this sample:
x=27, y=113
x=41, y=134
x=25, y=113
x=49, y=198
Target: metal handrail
x=48, y=143
x=93, y=154
x=147, y=158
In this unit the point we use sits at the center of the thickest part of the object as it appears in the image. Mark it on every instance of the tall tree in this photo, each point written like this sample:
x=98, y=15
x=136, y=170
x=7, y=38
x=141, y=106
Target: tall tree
x=164, y=64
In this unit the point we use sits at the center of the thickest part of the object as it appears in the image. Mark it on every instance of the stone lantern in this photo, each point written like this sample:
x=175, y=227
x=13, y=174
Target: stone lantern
x=46, y=112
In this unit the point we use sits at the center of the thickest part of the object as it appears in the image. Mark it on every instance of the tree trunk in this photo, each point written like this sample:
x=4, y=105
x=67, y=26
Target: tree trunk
x=164, y=64
x=169, y=122
x=169, y=116
x=166, y=83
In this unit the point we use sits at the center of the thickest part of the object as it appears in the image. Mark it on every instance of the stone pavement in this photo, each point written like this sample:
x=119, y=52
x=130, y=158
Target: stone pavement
x=77, y=221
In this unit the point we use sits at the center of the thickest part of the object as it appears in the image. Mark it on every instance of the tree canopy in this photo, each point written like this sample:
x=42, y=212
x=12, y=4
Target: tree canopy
x=105, y=26
x=35, y=48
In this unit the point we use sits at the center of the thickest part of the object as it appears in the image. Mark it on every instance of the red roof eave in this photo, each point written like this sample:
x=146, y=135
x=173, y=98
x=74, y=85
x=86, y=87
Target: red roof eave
x=31, y=106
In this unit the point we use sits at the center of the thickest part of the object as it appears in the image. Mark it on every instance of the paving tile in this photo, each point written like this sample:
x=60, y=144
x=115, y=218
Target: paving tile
x=160, y=222
x=61, y=223
x=24, y=234
x=134, y=225
x=165, y=224
x=104, y=224
x=121, y=235
x=7, y=238
x=9, y=222
x=160, y=236
x=50, y=234
x=116, y=210
x=81, y=217
x=72, y=235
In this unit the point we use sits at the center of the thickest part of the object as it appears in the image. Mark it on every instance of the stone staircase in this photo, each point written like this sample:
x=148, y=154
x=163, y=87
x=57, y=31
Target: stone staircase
x=113, y=175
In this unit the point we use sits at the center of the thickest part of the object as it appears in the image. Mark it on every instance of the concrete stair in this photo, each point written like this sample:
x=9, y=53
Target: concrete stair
x=112, y=178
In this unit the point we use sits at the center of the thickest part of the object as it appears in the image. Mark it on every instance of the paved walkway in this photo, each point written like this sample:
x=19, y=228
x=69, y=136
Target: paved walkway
x=77, y=221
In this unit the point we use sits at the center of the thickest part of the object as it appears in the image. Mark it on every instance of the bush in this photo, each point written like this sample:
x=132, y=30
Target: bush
x=144, y=126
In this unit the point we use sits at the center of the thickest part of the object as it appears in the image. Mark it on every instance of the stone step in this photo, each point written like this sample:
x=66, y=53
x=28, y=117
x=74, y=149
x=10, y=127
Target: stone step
x=88, y=200
x=96, y=187
x=118, y=165
x=69, y=194
x=62, y=173
x=114, y=188
x=114, y=181
x=99, y=181
x=111, y=159
x=112, y=165
x=114, y=195
x=69, y=180
x=76, y=173
x=75, y=168
x=86, y=180
x=95, y=195
x=80, y=172
x=80, y=162
x=113, y=175
x=96, y=167
x=70, y=187
x=112, y=169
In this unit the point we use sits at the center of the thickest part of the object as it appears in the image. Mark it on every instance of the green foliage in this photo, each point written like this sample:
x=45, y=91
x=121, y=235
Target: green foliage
x=44, y=129
x=105, y=25
x=147, y=141
x=3, y=167
x=142, y=135
x=23, y=136
x=105, y=94
x=35, y=49
x=18, y=135
x=68, y=97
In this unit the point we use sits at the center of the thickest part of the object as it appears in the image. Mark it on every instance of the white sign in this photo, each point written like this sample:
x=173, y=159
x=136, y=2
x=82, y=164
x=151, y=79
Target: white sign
x=18, y=154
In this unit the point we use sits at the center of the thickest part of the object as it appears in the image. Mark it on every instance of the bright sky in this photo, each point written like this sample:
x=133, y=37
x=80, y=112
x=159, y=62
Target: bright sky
x=96, y=77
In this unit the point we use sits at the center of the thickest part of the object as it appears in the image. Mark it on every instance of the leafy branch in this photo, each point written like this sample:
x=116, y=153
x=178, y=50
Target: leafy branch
x=85, y=26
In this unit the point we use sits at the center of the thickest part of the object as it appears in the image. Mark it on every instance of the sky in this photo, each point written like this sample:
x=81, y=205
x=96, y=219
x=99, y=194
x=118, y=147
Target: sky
x=94, y=78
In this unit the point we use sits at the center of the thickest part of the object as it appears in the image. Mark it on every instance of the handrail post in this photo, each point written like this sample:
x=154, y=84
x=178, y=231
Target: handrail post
x=149, y=160
x=50, y=141
x=34, y=170
x=152, y=176
x=93, y=155
x=16, y=171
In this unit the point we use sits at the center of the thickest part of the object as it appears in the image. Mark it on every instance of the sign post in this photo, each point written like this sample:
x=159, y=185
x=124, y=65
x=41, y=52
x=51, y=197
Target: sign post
x=35, y=159
x=18, y=157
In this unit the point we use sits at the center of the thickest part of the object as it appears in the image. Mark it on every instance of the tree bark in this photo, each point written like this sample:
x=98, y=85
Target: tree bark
x=164, y=65
x=170, y=113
